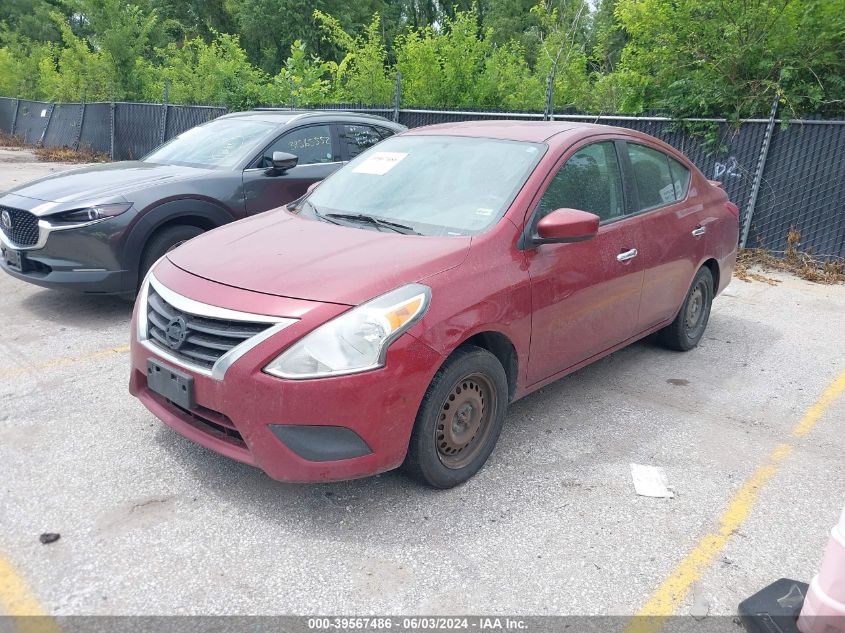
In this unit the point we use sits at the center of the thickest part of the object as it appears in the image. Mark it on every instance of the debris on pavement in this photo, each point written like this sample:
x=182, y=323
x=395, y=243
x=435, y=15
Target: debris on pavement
x=49, y=537
x=651, y=481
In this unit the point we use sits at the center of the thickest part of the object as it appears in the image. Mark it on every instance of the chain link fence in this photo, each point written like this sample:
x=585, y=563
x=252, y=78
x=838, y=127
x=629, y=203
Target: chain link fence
x=803, y=187
x=123, y=131
x=800, y=179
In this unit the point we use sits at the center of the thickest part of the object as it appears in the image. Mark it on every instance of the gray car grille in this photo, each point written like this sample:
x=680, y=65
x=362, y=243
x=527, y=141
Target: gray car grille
x=196, y=339
x=24, y=229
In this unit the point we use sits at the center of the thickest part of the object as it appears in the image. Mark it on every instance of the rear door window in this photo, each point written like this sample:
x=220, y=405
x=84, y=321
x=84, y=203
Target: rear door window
x=652, y=176
x=354, y=139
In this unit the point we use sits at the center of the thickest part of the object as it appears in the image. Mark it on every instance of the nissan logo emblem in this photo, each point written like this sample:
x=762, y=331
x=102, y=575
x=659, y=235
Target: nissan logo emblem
x=6, y=220
x=176, y=332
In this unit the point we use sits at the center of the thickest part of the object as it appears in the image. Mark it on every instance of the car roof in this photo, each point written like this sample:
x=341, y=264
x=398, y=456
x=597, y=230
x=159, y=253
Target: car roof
x=517, y=130
x=284, y=115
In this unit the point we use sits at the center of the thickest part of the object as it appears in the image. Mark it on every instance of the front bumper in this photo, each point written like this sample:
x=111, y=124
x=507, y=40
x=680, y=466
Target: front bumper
x=268, y=422
x=86, y=259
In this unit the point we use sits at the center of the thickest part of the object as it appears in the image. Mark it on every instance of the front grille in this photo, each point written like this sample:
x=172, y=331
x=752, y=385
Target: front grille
x=208, y=421
x=24, y=229
x=197, y=339
x=213, y=423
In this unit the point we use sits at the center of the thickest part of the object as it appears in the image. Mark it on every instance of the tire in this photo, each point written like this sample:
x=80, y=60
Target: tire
x=686, y=330
x=164, y=241
x=470, y=390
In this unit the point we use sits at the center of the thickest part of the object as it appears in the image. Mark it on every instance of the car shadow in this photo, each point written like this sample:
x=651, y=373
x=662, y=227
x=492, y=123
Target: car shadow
x=338, y=507
x=83, y=311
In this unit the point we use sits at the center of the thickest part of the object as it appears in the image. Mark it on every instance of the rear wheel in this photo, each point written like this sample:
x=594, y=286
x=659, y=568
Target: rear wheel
x=686, y=330
x=163, y=242
x=459, y=420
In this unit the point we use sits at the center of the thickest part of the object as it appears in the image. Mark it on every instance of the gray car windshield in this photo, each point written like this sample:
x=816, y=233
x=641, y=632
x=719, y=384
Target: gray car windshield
x=221, y=143
x=436, y=185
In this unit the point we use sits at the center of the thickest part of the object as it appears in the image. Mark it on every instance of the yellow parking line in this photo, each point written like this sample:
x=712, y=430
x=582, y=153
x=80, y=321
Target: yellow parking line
x=836, y=389
x=17, y=601
x=67, y=360
x=669, y=596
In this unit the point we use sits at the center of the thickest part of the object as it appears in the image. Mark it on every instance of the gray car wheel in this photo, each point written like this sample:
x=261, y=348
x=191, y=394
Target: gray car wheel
x=164, y=241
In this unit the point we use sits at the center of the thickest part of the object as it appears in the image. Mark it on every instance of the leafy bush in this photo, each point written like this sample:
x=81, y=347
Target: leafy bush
x=199, y=73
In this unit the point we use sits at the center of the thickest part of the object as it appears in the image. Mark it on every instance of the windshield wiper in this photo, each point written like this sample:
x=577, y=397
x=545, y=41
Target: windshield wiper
x=404, y=229
x=322, y=216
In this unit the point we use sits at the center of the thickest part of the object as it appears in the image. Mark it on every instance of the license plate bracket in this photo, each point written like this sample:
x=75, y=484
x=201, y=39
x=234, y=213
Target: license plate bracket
x=13, y=258
x=176, y=386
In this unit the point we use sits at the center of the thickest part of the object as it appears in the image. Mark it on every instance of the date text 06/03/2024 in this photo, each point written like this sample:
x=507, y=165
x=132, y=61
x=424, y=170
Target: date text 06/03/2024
x=424, y=623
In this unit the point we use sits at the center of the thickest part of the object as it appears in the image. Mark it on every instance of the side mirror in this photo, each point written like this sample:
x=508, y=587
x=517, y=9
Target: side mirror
x=282, y=161
x=313, y=186
x=566, y=225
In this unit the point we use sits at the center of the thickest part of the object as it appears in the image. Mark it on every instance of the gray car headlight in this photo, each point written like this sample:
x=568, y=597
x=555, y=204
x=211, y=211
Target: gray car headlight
x=355, y=341
x=87, y=215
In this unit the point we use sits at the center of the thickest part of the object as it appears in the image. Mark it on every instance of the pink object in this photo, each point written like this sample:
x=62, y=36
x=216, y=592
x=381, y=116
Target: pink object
x=824, y=606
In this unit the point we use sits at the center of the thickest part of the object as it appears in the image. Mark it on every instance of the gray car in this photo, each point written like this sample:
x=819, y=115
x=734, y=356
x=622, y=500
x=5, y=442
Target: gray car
x=98, y=229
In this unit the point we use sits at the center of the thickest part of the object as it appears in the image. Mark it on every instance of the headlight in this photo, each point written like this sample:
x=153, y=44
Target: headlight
x=355, y=341
x=79, y=217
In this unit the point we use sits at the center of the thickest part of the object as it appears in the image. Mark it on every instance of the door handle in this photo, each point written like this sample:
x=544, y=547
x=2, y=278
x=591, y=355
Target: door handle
x=626, y=255
x=699, y=231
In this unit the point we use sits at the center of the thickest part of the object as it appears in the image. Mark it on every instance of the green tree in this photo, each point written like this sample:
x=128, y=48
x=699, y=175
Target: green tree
x=20, y=59
x=31, y=19
x=607, y=37
x=446, y=67
x=72, y=71
x=201, y=73
x=715, y=58
x=507, y=83
x=302, y=81
x=417, y=59
x=361, y=73
x=125, y=34
x=185, y=19
x=269, y=27
x=562, y=53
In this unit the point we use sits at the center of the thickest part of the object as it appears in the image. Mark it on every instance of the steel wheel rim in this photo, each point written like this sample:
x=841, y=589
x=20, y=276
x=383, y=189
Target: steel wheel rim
x=465, y=420
x=696, y=309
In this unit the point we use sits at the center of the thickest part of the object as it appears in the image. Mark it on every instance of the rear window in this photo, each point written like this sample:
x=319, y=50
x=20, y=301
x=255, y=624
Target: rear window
x=655, y=186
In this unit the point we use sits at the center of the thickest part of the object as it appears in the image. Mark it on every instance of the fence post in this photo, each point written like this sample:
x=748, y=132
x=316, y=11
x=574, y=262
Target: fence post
x=79, y=131
x=163, y=128
x=111, y=138
x=548, y=108
x=46, y=125
x=15, y=116
x=397, y=96
x=758, y=174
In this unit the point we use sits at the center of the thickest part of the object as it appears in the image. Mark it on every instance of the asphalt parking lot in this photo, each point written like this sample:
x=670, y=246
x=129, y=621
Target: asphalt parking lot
x=750, y=428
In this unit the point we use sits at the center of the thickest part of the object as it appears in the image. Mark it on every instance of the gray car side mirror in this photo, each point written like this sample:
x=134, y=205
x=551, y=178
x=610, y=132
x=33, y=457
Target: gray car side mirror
x=282, y=162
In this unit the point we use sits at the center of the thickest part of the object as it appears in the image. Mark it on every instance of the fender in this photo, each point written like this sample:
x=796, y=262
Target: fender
x=151, y=219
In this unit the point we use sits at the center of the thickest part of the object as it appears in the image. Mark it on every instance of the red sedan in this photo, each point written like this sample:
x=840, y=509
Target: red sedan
x=389, y=317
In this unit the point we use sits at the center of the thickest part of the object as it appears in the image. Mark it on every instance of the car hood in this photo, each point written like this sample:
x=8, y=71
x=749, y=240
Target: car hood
x=280, y=254
x=96, y=183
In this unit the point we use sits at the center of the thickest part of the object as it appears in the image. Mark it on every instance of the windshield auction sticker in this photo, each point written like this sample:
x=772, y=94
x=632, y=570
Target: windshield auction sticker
x=379, y=163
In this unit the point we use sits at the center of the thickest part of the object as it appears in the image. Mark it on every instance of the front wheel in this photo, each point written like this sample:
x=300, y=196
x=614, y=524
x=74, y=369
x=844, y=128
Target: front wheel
x=460, y=418
x=686, y=330
x=164, y=241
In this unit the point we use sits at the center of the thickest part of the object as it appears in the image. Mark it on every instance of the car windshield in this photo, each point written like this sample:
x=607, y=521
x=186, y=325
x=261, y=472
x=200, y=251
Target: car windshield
x=221, y=143
x=435, y=185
